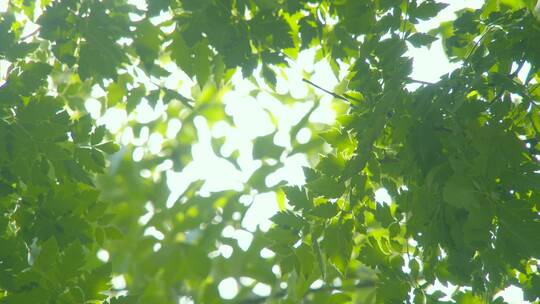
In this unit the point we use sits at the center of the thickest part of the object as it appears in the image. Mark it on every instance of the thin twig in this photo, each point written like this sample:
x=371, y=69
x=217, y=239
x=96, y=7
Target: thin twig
x=477, y=43
x=420, y=81
x=188, y=102
x=530, y=76
x=326, y=91
x=30, y=34
x=499, y=95
x=520, y=66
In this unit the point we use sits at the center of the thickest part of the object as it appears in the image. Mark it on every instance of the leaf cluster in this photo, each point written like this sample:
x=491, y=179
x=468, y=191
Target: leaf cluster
x=458, y=156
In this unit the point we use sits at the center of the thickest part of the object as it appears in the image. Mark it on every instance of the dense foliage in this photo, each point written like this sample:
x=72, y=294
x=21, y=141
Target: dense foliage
x=458, y=155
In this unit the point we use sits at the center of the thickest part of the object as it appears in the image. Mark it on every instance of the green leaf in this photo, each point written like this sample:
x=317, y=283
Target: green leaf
x=269, y=76
x=77, y=172
x=34, y=295
x=281, y=235
x=336, y=138
x=340, y=298
x=48, y=255
x=337, y=244
x=73, y=259
x=459, y=192
x=113, y=233
x=332, y=165
x=193, y=61
x=421, y=39
x=97, y=281
x=33, y=76
x=477, y=228
x=288, y=219
x=308, y=31
x=202, y=62
x=326, y=186
x=327, y=210
x=108, y=147
x=264, y=147
x=258, y=179
x=174, y=95
x=383, y=215
x=427, y=9
x=320, y=260
x=371, y=254
x=297, y=197
x=97, y=135
x=517, y=230
x=134, y=97
x=469, y=298
x=89, y=160
x=81, y=129
x=98, y=158
x=100, y=55
x=147, y=42
x=115, y=94
x=306, y=260
x=514, y=4
x=392, y=290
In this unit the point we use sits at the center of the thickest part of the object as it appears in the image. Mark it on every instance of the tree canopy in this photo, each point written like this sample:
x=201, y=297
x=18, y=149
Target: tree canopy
x=82, y=205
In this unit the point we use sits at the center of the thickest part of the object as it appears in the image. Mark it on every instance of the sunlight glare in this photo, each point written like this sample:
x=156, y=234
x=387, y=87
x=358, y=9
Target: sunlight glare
x=228, y=288
x=382, y=196
x=264, y=206
x=512, y=295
